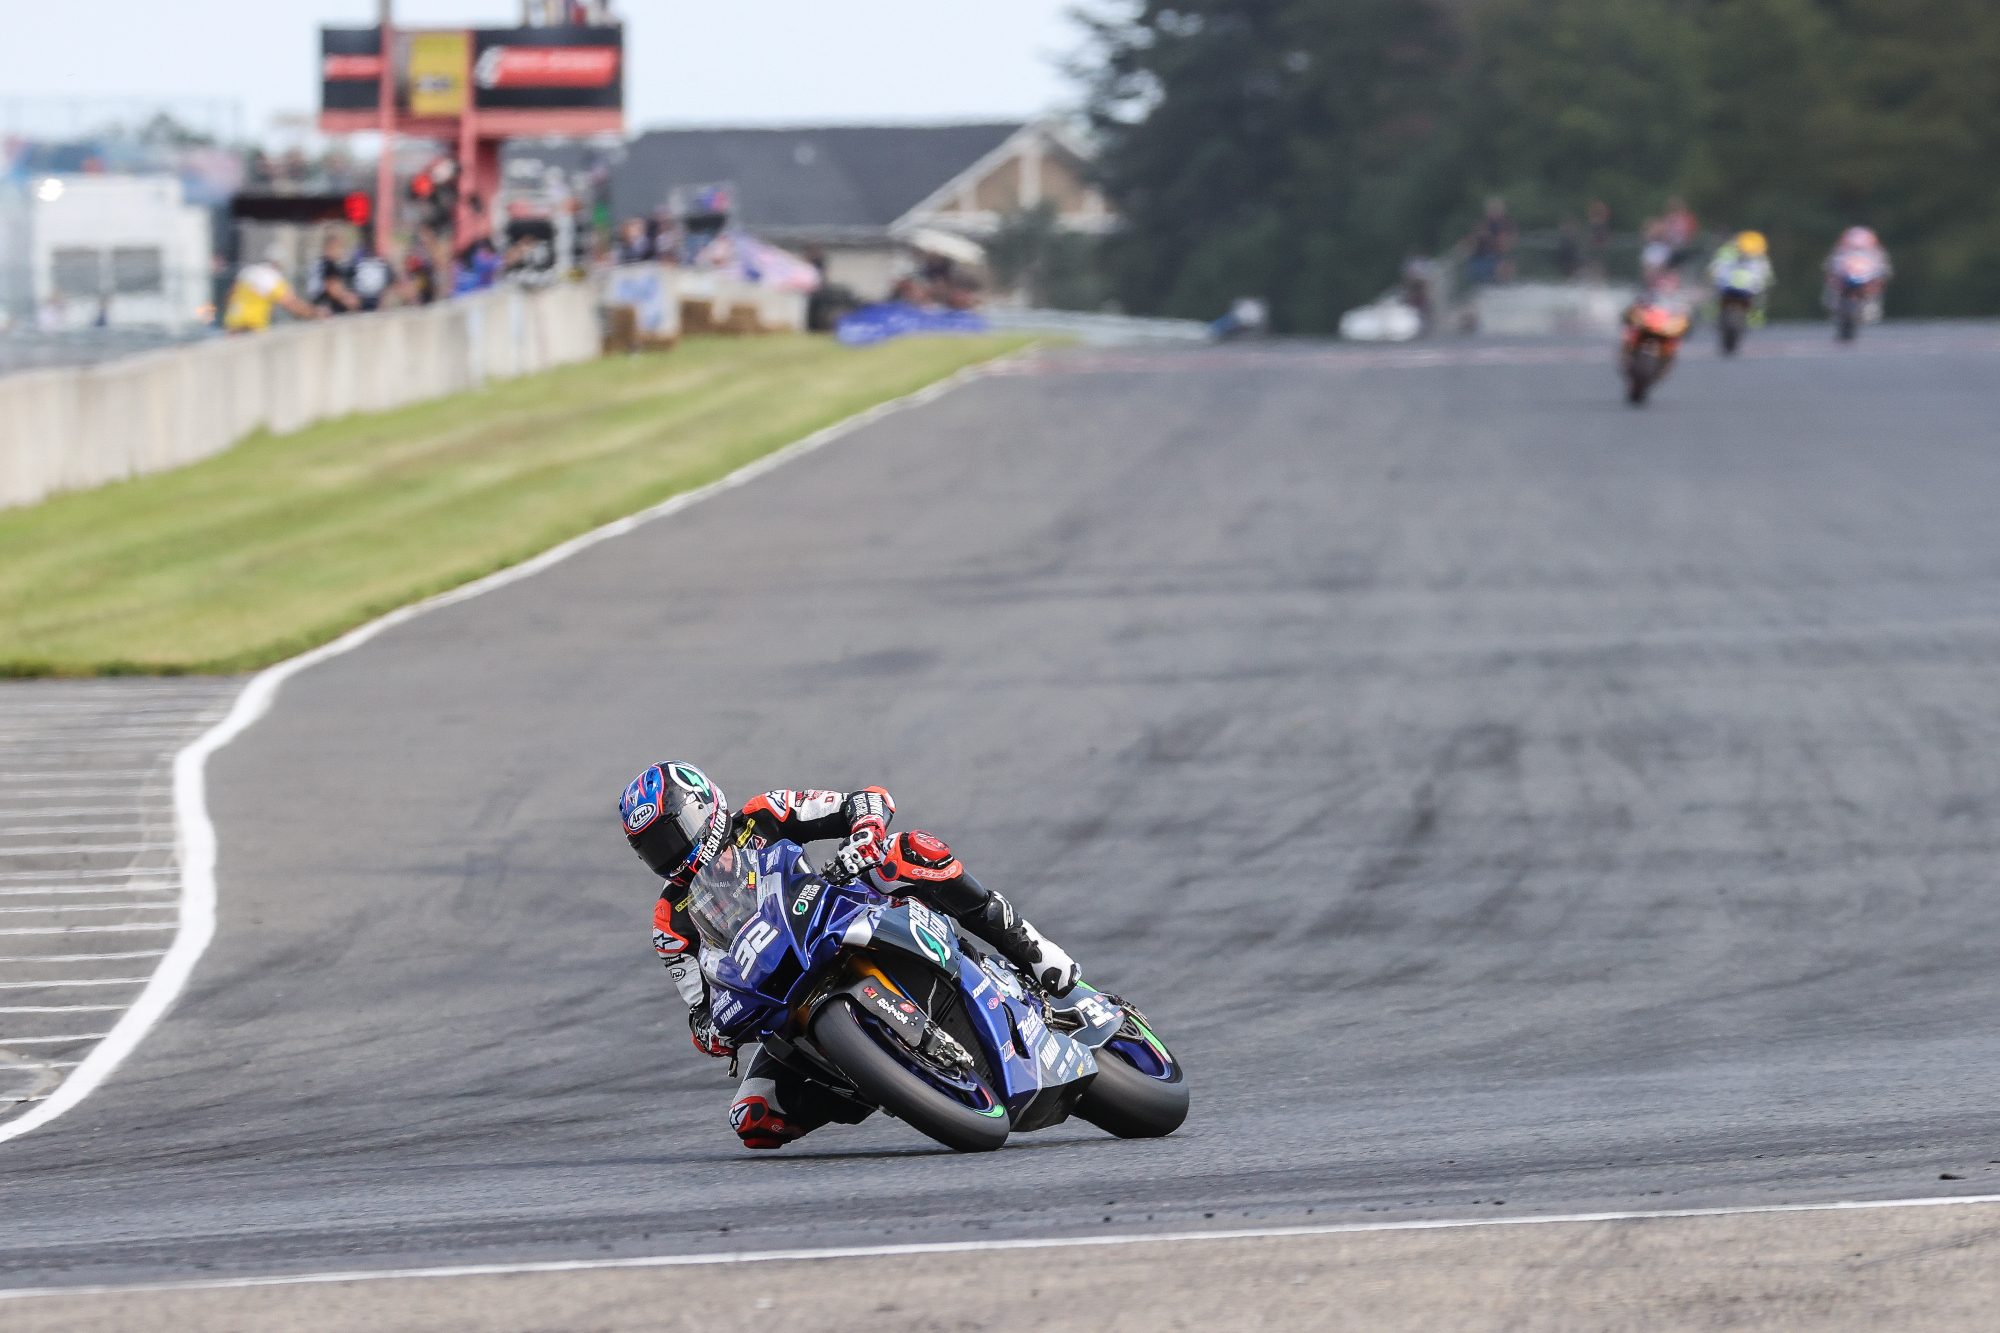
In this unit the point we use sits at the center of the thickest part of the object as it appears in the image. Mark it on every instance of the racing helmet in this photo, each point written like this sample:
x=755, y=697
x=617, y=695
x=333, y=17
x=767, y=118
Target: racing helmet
x=675, y=819
x=1752, y=244
x=1859, y=238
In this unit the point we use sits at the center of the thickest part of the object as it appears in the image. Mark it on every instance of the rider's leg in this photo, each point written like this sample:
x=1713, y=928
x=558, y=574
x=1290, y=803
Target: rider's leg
x=774, y=1106
x=925, y=863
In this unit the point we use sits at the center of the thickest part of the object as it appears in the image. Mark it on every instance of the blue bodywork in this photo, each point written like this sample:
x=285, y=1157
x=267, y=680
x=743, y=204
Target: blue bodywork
x=781, y=955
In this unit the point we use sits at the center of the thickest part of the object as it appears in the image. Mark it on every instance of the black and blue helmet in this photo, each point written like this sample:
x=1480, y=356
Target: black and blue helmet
x=675, y=819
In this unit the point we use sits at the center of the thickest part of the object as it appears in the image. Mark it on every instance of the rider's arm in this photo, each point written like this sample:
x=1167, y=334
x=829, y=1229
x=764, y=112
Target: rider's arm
x=674, y=940
x=809, y=816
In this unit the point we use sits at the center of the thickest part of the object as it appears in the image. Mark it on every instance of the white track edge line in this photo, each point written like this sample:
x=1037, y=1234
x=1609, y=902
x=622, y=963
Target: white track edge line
x=966, y=1247
x=196, y=835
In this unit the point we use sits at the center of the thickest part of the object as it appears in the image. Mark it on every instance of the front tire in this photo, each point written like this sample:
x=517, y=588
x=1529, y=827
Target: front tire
x=1131, y=1103
x=857, y=1049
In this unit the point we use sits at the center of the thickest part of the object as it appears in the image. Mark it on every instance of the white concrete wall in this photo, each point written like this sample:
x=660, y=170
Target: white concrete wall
x=71, y=429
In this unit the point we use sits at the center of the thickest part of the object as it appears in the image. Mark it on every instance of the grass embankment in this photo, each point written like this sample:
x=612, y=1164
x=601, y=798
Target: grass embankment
x=283, y=543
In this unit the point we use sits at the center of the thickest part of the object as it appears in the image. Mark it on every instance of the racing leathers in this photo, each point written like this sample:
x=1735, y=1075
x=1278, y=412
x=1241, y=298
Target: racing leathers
x=773, y=1106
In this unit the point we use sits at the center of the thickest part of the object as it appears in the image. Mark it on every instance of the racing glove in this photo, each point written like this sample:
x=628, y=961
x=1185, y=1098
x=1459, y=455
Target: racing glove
x=867, y=841
x=707, y=1040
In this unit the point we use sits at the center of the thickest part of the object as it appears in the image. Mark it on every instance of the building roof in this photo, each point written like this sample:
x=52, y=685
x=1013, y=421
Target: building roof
x=848, y=177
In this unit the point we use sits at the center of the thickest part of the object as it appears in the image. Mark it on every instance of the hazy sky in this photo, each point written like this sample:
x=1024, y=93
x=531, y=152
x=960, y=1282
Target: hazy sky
x=689, y=60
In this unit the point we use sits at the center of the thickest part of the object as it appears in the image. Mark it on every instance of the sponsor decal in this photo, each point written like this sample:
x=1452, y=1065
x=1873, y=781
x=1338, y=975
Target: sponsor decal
x=641, y=816
x=546, y=66
x=869, y=991
x=993, y=1002
x=755, y=938
x=804, y=902
x=688, y=778
x=907, y=1008
x=931, y=932
x=724, y=1007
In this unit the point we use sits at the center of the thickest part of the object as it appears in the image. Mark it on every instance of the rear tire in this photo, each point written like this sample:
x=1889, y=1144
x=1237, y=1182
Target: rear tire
x=1850, y=318
x=856, y=1049
x=1732, y=329
x=1132, y=1105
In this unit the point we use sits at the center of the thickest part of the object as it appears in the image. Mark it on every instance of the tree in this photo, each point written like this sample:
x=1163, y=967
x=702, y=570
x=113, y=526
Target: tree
x=1267, y=147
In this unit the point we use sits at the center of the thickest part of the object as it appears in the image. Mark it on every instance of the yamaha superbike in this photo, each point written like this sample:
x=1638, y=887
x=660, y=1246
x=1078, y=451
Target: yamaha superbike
x=879, y=1001
x=1654, y=327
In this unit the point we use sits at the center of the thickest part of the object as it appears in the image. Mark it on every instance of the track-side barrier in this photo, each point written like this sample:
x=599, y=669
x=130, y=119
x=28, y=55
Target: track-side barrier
x=79, y=427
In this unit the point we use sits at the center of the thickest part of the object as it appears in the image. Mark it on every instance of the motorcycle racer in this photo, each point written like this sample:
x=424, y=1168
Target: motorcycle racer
x=1858, y=261
x=679, y=823
x=1743, y=264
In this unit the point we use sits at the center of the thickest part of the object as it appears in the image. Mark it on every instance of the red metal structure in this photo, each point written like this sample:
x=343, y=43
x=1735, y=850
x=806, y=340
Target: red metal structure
x=473, y=89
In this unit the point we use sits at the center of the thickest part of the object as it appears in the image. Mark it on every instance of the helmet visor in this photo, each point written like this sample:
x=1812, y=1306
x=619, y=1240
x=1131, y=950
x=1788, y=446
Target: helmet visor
x=723, y=896
x=664, y=844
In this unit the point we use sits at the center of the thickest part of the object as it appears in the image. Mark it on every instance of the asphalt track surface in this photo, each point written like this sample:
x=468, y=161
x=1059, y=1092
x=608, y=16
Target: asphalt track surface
x=1504, y=801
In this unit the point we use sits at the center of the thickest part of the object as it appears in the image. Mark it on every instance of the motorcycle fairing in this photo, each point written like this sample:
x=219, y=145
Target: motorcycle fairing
x=1042, y=1072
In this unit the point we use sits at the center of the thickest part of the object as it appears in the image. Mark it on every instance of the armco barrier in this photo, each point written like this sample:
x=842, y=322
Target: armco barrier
x=71, y=429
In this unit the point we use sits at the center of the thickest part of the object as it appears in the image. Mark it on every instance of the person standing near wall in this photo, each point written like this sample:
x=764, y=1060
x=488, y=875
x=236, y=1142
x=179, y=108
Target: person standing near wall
x=258, y=290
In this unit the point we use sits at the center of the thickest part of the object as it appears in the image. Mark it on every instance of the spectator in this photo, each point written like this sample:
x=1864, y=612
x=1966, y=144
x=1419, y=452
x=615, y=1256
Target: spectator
x=634, y=245
x=326, y=283
x=258, y=288
x=1492, y=240
x=1656, y=257
x=370, y=278
x=1419, y=274
x=478, y=265
x=420, y=285
x=1569, y=248
x=1678, y=229
x=1597, y=246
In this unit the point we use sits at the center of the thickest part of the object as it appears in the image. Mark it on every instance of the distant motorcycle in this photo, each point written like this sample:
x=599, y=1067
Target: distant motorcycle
x=1741, y=272
x=880, y=1002
x=1655, y=324
x=1855, y=291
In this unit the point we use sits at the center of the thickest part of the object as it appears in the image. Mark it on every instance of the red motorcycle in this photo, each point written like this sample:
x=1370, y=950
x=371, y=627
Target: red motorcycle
x=1654, y=327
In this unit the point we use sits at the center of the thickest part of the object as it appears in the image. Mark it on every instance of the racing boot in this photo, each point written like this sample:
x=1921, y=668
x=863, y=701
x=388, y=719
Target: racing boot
x=1025, y=947
x=774, y=1106
x=756, y=1115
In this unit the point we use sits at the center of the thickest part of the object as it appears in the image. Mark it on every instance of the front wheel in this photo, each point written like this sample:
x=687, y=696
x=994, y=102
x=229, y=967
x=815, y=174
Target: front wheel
x=1140, y=1091
x=959, y=1111
x=1731, y=324
x=1849, y=318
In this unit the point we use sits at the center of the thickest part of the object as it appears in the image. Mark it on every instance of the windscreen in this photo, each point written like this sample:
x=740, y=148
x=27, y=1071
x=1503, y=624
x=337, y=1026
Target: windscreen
x=723, y=896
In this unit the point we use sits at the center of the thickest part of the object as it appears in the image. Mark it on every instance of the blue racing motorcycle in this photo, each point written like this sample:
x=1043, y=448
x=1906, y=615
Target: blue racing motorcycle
x=880, y=1001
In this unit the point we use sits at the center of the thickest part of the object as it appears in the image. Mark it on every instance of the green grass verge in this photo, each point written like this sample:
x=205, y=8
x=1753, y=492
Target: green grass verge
x=283, y=543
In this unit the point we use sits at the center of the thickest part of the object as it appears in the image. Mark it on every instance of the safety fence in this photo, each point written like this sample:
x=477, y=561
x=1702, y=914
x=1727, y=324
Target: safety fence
x=82, y=426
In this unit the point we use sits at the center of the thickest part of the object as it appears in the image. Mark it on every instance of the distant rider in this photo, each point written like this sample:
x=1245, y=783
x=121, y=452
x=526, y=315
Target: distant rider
x=678, y=822
x=1858, y=257
x=1743, y=265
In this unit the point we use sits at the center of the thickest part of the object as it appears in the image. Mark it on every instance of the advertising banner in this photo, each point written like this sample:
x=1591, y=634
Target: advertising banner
x=350, y=68
x=549, y=68
x=437, y=73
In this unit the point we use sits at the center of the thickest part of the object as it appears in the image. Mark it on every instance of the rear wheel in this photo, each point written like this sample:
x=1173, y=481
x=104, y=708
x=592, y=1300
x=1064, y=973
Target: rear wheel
x=958, y=1110
x=1140, y=1091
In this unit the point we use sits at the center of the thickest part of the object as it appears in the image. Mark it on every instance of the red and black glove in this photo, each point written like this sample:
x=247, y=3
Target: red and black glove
x=707, y=1040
